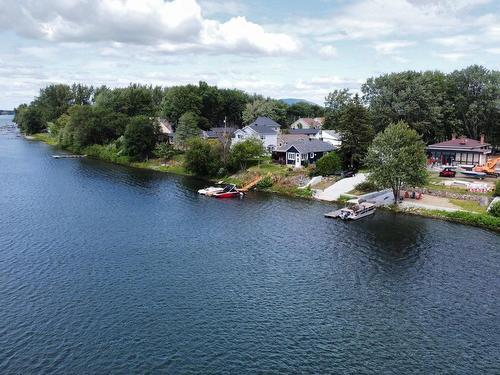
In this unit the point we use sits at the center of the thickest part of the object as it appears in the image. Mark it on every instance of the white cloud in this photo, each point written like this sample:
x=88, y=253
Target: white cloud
x=451, y=56
x=328, y=51
x=391, y=47
x=172, y=26
x=457, y=42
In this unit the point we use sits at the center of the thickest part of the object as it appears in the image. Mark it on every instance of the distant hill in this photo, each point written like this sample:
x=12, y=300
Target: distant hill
x=6, y=112
x=292, y=101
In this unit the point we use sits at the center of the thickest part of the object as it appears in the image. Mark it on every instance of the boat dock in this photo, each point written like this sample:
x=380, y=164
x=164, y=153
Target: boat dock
x=333, y=215
x=68, y=156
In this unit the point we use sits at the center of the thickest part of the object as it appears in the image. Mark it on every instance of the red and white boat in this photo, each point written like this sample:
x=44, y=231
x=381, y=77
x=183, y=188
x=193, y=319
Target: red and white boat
x=229, y=191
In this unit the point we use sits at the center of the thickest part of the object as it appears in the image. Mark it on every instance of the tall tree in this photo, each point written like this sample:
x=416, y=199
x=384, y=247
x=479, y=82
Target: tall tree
x=397, y=158
x=335, y=103
x=187, y=129
x=271, y=108
x=139, y=139
x=356, y=132
x=475, y=94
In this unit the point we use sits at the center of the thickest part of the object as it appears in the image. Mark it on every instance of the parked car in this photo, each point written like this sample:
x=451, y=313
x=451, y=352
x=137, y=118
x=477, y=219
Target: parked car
x=447, y=172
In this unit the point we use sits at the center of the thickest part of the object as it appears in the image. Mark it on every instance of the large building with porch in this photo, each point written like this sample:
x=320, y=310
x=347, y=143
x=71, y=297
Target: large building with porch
x=459, y=151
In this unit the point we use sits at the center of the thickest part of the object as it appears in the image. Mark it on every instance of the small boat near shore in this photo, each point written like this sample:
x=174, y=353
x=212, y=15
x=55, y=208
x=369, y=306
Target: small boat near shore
x=354, y=210
x=68, y=156
x=211, y=190
x=228, y=191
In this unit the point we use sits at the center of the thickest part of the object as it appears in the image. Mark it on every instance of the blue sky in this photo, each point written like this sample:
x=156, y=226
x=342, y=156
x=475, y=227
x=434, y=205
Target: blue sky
x=298, y=49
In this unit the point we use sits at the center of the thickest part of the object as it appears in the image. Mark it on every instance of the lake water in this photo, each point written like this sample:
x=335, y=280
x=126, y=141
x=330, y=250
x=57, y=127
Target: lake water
x=106, y=269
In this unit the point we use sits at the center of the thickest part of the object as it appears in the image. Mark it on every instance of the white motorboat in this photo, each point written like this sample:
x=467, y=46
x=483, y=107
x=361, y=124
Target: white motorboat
x=356, y=209
x=209, y=191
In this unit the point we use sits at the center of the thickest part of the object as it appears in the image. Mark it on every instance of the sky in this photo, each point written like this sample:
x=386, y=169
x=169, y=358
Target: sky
x=282, y=49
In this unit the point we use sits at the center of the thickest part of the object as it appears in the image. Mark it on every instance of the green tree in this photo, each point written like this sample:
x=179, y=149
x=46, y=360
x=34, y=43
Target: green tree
x=303, y=109
x=356, y=132
x=273, y=109
x=335, y=103
x=187, y=129
x=204, y=157
x=179, y=100
x=54, y=100
x=475, y=95
x=140, y=137
x=164, y=151
x=57, y=126
x=30, y=119
x=397, y=158
x=328, y=164
x=245, y=151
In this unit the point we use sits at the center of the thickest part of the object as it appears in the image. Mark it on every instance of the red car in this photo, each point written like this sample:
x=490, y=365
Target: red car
x=447, y=172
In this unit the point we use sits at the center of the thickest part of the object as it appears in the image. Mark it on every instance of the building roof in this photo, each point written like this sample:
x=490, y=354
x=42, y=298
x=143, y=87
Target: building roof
x=304, y=131
x=266, y=122
x=305, y=147
x=166, y=127
x=316, y=122
x=461, y=144
x=218, y=132
x=331, y=133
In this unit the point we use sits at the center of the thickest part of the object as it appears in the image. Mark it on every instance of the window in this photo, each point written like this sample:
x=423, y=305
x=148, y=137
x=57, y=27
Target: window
x=311, y=155
x=262, y=137
x=240, y=136
x=290, y=156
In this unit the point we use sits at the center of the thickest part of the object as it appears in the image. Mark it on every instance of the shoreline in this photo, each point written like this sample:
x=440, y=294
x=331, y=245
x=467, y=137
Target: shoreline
x=484, y=221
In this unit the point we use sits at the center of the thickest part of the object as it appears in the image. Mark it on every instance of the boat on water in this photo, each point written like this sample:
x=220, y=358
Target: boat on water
x=211, y=190
x=229, y=191
x=354, y=210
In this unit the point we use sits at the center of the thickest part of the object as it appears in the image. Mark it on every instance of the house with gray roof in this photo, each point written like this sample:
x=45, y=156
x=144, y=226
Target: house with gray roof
x=262, y=128
x=301, y=153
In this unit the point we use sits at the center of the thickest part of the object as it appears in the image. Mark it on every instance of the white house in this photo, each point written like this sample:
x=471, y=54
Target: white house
x=308, y=123
x=330, y=136
x=262, y=128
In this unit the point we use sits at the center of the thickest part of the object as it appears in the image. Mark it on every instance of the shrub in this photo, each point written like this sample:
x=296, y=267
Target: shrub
x=366, y=187
x=204, y=157
x=265, y=183
x=497, y=189
x=495, y=209
x=328, y=164
x=164, y=151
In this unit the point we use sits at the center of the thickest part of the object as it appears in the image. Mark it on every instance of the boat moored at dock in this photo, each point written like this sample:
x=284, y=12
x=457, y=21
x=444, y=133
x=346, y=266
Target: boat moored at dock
x=354, y=210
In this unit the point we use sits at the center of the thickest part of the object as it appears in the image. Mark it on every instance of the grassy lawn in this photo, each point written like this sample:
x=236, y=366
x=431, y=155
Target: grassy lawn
x=471, y=206
x=45, y=137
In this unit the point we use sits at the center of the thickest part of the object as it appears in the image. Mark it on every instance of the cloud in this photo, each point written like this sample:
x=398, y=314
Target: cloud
x=328, y=51
x=451, y=56
x=172, y=26
x=391, y=47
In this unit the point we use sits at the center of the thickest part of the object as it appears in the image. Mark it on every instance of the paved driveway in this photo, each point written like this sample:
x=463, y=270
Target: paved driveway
x=333, y=192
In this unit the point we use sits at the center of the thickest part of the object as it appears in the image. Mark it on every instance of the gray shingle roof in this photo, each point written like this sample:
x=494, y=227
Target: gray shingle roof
x=265, y=121
x=305, y=147
x=218, y=132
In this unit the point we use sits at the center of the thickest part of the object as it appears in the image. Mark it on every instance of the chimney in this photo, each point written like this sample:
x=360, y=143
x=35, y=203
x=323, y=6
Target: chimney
x=453, y=136
x=482, y=139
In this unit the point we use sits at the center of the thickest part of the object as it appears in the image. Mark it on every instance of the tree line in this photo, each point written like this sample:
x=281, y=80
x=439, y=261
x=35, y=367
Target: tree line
x=434, y=104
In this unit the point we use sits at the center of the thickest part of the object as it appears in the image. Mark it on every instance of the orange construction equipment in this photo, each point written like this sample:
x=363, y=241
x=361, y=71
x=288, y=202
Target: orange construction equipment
x=251, y=184
x=489, y=168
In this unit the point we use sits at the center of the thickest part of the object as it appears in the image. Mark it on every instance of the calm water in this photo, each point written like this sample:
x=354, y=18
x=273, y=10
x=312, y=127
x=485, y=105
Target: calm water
x=105, y=269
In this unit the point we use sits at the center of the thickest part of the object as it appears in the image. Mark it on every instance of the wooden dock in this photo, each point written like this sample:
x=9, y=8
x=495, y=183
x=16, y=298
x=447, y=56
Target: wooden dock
x=68, y=156
x=334, y=214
